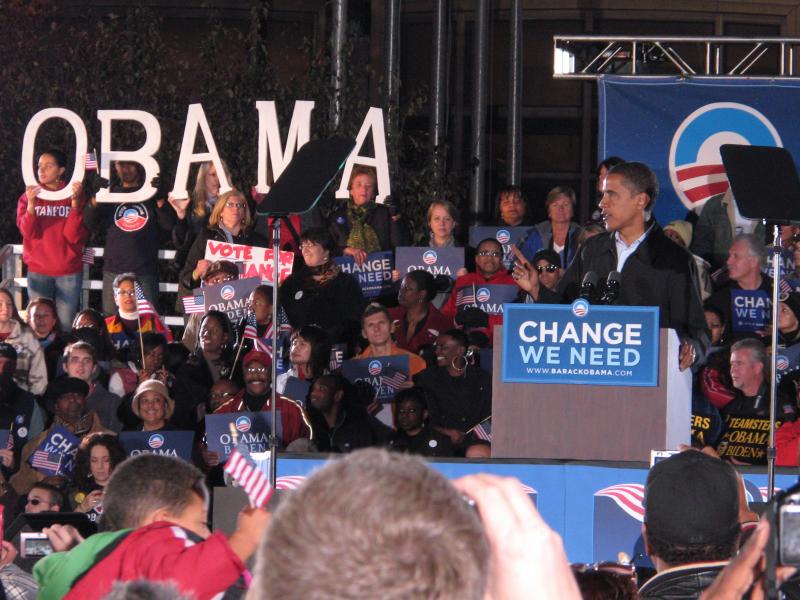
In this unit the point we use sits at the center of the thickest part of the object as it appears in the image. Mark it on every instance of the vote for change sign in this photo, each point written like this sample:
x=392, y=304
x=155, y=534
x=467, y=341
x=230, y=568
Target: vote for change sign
x=580, y=344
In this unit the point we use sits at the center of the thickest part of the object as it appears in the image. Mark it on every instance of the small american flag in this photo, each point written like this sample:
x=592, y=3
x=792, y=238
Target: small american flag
x=393, y=377
x=253, y=481
x=483, y=430
x=785, y=287
x=50, y=461
x=142, y=303
x=465, y=296
x=194, y=304
x=251, y=333
x=10, y=440
x=91, y=161
x=87, y=257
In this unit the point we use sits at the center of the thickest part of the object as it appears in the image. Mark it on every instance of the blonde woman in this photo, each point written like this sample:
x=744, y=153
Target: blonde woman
x=230, y=221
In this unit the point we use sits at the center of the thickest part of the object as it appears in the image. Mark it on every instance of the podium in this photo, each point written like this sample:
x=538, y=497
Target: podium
x=588, y=422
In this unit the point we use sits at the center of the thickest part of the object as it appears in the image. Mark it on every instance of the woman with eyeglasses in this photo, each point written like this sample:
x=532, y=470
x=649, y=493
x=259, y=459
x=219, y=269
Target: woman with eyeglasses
x=459, y=393
x=230, y=221
x=320, y=293
x=417, y=321
x=489, y=271
x=558, y=233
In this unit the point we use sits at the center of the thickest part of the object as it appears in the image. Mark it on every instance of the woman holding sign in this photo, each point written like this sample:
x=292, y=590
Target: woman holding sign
x=53, y=237
x=230, y=222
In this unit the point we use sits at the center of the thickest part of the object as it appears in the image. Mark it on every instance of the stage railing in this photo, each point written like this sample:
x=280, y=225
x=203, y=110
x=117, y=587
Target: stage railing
x=13, y=277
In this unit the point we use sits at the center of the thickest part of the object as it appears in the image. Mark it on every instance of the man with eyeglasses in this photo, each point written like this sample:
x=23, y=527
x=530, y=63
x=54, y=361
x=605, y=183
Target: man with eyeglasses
x=132, y=232
x=466, y=293
x=256, y=369
x=125, y=323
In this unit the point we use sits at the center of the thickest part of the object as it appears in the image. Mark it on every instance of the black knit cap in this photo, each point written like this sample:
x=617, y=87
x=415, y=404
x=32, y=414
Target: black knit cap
x=65, y=385
x=547, y=254
x=691, y=499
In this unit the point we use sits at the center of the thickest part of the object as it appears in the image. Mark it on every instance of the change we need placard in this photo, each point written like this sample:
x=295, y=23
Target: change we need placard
x=253, y=261
x=374, y=276
x=170, y=443
x=751, y=310
x=436, y=261
x=580, y=343
x=252, y=428
x=56, y=454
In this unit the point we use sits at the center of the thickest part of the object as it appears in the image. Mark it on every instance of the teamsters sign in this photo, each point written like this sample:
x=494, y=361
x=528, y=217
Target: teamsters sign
x=580, y=344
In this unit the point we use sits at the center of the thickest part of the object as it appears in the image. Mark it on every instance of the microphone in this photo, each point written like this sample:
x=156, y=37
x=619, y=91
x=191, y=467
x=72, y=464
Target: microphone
x=588, y=286
x=611, y=292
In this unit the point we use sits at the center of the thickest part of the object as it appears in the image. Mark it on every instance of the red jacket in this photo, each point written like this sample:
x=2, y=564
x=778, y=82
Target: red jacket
x=500, y=278
x=53, y=239
x=427, y=331
x=164, y=552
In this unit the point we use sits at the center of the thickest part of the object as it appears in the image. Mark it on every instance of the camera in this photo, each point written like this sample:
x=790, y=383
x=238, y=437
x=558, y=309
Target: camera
x=788, y=527
x=34, y=545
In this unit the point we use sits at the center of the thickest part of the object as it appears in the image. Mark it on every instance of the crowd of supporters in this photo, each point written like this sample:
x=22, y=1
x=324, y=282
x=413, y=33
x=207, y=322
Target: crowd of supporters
x=96, y=373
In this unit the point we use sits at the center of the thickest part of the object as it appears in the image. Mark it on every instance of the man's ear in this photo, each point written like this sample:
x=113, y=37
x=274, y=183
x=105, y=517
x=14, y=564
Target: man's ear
x=159, y=514
x=645, y=540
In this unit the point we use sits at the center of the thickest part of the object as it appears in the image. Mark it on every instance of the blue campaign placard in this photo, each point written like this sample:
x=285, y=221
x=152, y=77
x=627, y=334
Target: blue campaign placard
x=489, y=298
x=580, y=343
x=436, y=261
x=297, y=389
x=750, y=310
x=378, y=371
x=252, y=428
x=61, y=446
x=231, y=297
x=374, y=276
x=507, y=236
x=170, y=443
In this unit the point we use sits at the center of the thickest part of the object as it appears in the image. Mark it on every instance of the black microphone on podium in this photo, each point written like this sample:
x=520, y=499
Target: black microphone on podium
x=588, y=286
x=611, y=293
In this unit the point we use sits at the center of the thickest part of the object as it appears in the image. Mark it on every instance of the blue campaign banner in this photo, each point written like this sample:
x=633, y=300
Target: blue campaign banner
x=378, y=371
x=750, y=310
x=374, y=276
x=676, y=126
x=580, y=343
x=489, y=298
x=436, y=261
x=507, y=236
x=597, y=509
x=60, y=446
x=252, y=429
x=297, y=389
x=170, y=443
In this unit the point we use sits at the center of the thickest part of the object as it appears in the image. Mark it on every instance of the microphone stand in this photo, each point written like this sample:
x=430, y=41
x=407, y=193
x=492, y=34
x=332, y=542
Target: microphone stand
x=775, y=259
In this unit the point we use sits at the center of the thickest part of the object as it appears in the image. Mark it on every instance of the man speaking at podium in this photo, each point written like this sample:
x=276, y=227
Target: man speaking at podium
x=632, y=264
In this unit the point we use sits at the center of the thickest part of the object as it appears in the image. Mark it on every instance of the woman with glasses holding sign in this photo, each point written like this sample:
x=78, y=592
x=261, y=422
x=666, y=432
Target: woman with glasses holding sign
x=230, y=222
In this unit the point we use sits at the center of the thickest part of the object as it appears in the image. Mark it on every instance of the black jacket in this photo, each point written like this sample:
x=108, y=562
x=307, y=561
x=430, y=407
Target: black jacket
x=659, y=273
x=390, y=233
x=681, y=583
x=457, y=403
x=354, y=429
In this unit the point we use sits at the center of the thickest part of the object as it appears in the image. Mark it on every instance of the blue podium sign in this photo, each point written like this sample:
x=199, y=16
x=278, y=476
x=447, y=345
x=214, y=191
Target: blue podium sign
x=580, y=344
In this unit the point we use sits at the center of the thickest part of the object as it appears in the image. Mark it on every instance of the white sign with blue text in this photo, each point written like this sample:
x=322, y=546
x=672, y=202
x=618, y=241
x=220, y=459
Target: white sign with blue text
x=580, y=343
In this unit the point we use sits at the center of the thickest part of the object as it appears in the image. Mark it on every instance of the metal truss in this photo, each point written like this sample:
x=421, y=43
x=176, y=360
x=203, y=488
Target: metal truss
x=589, y=56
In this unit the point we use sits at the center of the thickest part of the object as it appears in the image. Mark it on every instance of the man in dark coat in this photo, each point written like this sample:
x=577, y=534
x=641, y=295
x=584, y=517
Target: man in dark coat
x=655, y=271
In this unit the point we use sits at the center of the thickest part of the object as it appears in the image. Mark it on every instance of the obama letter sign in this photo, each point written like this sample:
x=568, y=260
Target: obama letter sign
x=580, y=344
